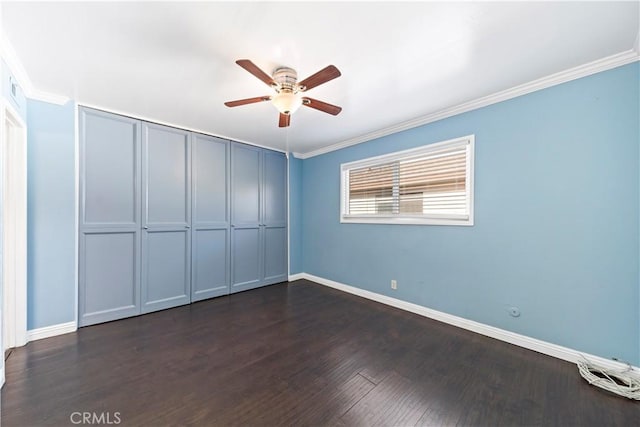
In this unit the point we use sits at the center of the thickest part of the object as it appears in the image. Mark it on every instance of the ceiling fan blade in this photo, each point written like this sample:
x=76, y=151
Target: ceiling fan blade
x=285, y=120
x=253, y=69
x=322, y=76
x=239, y=102
x=322, y=106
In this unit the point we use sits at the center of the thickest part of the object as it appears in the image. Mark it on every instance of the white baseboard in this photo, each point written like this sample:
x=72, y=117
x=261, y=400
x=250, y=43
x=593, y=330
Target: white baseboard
x=51, y=331
x=297, y=276
x=534, y=344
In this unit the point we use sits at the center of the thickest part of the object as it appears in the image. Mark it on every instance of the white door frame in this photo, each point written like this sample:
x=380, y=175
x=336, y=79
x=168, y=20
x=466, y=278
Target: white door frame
x=13, y=190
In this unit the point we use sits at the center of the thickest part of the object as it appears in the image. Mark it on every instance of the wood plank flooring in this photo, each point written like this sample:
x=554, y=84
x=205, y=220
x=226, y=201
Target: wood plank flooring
x=298, y=354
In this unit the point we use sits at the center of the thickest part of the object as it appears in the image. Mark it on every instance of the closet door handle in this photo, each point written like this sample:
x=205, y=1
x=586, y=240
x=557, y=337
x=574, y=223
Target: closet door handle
x=145, y=227
x=187, y=226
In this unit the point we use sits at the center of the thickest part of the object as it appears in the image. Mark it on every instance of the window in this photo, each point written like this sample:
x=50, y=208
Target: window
x=432, y=184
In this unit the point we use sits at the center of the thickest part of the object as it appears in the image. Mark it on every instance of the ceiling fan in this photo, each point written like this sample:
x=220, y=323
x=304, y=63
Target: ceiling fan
x=287, y=97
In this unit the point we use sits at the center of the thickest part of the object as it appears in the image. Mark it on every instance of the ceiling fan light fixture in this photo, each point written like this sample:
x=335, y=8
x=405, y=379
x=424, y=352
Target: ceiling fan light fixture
x=287, y=97
x=287, y=102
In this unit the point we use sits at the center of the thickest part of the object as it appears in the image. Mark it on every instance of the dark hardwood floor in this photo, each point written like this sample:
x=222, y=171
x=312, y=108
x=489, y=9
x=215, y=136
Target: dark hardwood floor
x=298, y=354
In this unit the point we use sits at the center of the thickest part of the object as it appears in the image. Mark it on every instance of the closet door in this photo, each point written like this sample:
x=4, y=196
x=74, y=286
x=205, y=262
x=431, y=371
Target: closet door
x=274, y=222
x=210, y=218
x=166, y=217
x=246, y=236
x=109, y=273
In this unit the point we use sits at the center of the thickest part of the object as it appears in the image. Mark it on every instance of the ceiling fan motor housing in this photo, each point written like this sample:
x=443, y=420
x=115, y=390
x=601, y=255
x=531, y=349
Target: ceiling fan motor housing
x=286, y=78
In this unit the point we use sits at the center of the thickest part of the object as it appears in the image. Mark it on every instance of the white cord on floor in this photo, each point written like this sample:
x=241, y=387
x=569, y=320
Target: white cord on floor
x=621, y=382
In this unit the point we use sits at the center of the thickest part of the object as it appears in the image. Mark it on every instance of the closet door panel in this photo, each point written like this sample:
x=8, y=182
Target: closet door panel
x=110, y=170
x=110, y=217
x=210, y=264
x=275, y=189
x=246, y=214
x=167, y=176
x=275, y=255
x=246, y=258
x=275, y=217
x=108, y=292
x=166, y=241
x=210, y=180
x=210, y=225
x=246, y=180
x=166, y=269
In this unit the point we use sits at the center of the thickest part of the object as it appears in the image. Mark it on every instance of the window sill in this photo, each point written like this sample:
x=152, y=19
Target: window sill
x=468, y=222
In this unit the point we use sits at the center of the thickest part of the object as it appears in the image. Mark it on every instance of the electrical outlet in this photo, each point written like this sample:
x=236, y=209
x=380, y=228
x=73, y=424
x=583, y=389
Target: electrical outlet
x=394, y=284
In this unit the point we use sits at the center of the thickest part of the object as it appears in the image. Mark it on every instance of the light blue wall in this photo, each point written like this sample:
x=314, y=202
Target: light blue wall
x=51, y=214
x=556, y=219
x=295, y=215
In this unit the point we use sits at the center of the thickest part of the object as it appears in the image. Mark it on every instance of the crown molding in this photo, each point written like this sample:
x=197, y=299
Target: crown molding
x=51, y=98
x=580, y=71
x=20, y=74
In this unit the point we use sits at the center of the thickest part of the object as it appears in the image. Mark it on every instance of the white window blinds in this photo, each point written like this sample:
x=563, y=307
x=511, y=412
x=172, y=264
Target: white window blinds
x=428, y=185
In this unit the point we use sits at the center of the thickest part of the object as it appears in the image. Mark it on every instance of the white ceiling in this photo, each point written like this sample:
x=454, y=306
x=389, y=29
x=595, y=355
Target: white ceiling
x=174, y=62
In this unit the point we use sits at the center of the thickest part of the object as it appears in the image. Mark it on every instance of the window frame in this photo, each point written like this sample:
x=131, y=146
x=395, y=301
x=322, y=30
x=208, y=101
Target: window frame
x=431, y=219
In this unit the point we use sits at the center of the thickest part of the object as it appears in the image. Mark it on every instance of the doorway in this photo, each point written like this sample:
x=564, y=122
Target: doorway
x=13, y=227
